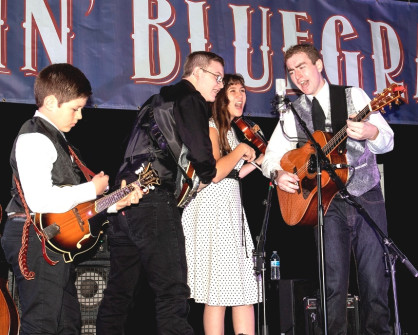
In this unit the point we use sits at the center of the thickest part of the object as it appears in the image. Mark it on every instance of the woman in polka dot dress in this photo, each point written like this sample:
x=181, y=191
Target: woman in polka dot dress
x=218, y=240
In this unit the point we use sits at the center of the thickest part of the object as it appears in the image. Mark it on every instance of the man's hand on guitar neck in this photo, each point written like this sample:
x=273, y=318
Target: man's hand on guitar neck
x=361, y=130
x=286, y=181
x=131, y=198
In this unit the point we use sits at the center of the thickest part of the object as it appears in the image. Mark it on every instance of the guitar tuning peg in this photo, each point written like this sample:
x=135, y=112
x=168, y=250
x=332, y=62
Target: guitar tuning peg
x=382, y=110
x=139, y=170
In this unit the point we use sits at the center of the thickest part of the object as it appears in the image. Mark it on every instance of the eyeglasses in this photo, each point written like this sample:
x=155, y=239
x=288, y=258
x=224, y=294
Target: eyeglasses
x=219, y=78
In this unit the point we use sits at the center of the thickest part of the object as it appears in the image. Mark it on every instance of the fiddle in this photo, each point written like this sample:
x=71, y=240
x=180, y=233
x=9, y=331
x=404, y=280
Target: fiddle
x=252, y=132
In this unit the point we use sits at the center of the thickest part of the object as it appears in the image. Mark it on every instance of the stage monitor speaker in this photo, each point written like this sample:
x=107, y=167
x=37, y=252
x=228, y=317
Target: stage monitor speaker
x=291, y=294
x=90, y=282
x=312, y=318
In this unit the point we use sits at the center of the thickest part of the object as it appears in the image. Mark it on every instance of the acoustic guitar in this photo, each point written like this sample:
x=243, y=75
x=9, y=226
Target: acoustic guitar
x=301, y=207
x=79, y=229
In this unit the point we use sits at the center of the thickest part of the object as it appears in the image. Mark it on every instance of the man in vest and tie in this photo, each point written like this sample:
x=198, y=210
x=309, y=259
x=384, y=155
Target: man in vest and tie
x=329, y=108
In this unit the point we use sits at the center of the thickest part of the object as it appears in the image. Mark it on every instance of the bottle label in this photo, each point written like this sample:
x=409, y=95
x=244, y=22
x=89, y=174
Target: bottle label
x=275, y=263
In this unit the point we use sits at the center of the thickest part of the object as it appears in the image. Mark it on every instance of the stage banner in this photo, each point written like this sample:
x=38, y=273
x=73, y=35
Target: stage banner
x=130, y=49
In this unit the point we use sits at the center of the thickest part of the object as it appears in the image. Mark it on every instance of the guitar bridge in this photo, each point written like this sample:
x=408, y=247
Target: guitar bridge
x=51, y=231
x=79, y=219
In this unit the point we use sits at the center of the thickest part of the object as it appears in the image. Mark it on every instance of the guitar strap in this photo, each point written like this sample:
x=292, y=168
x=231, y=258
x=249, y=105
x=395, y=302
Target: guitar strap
x=86, y=171
x=339, y=113
x=158, y=137
x=23, y=252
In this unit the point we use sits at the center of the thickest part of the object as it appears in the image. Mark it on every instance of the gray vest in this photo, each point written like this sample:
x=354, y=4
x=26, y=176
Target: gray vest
x=366, y=174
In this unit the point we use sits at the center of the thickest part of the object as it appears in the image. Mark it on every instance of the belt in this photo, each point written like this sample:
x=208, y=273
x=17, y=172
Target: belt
x=141, y=158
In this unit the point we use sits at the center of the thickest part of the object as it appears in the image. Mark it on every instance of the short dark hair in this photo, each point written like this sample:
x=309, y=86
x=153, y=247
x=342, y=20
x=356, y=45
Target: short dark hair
x=64, y=81
x=200, y=59
x=306, y=48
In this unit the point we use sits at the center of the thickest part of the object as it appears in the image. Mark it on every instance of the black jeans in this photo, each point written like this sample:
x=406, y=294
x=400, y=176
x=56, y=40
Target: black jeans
x=48, y=303
x=346, y=231
x=147, y=240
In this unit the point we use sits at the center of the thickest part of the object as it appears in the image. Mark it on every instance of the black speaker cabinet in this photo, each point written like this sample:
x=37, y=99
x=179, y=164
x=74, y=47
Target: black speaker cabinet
x=312, y=318
x=90, y=282
x=291, y=294
x=285, y=305
x=91, y=279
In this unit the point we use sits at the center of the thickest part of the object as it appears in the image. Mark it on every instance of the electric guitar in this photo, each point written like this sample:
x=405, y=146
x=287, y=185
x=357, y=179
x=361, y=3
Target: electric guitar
x=301, y=206
x=79, y=229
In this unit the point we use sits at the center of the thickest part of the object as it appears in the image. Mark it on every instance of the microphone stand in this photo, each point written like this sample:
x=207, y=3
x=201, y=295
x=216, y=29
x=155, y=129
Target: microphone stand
x=390, y=248
x=259, y=253
x=322, y=163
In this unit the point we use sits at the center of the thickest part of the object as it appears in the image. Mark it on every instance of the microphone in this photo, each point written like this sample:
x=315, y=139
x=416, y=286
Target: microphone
x=280, y=95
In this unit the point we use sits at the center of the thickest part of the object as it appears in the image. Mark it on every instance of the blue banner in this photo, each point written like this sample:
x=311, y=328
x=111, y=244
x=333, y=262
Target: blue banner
x=130, y=49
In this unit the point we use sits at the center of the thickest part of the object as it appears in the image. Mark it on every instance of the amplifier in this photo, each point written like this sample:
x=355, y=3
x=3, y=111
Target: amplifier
x=313, y=322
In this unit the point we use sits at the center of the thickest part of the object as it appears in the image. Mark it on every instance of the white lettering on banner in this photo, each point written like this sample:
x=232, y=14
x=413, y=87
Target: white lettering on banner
x=58, y=44
x=291, y=28
x=3, y=29
x=156, y=53
x=338, y=28
x=162, y=31
x=387, y=55
x=198, y=26
x=416, y=78
x=244, y=49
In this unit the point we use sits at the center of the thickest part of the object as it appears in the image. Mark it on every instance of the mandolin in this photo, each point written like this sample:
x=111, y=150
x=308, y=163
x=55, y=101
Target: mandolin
x=79, y=229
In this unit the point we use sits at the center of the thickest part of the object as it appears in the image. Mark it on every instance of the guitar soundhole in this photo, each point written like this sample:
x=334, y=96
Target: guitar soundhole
x=307, y=186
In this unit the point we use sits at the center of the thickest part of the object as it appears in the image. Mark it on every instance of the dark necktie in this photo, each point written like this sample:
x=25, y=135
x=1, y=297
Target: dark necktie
x=318, y=116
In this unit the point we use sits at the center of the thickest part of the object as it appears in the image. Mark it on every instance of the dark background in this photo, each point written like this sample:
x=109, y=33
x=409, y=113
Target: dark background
x=101, y=136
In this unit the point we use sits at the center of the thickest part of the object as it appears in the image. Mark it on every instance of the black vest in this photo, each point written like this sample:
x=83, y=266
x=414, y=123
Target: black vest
x=153, y=139
x=64, y=171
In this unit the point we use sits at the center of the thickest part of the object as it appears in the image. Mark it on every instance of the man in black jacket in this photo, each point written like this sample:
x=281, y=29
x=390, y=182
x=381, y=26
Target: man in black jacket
x=147, y=241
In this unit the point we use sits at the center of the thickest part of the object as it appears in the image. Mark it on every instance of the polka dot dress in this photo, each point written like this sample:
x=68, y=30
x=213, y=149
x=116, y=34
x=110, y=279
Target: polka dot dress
x=218, y=249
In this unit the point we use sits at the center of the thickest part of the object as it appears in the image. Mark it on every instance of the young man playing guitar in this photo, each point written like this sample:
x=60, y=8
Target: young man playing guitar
x=147, y=241
x=46, y=179
x=345, y=229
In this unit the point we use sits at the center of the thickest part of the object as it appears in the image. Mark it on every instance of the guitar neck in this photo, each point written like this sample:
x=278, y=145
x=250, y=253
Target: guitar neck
x=341, y=135
x=114, y=197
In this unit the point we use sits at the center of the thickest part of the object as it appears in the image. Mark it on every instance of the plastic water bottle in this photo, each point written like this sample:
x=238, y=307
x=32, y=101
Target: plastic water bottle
x=275, y=266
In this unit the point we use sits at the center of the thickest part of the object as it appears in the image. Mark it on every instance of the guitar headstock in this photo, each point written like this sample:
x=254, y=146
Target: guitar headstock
x=391, y=94
x=148, y=177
